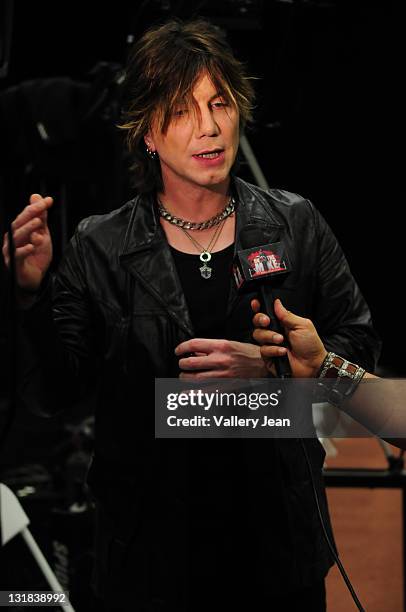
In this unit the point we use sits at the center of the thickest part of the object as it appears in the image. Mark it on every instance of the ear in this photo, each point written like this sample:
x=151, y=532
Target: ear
x=149, y=141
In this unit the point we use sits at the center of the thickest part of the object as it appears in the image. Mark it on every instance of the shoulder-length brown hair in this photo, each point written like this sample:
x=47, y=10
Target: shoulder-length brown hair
x=163, y=67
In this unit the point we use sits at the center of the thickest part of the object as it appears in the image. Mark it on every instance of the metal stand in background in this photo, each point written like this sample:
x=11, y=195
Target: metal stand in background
x=395, y=462
x=14, y=521
x=392, y=477
x=252, y=162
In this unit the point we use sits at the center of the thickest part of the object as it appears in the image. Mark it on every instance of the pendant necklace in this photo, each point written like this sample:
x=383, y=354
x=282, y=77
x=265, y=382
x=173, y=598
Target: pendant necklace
x=205, y=252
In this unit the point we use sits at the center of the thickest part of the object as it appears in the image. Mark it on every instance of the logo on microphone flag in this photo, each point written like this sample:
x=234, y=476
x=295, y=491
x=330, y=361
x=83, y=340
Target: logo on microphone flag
x=265, y=261
x=259, y=262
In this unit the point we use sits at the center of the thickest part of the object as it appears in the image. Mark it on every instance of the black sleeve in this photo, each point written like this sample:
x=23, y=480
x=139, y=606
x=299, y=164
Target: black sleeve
x=57, y=347
x=342, y=317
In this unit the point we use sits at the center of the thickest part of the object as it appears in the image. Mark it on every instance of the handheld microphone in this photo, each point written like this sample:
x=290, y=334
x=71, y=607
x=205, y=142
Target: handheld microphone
x=254, y=268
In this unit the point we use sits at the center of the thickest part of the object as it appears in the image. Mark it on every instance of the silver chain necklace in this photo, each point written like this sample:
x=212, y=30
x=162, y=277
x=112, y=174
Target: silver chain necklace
x=205, y=253
x=191, y=225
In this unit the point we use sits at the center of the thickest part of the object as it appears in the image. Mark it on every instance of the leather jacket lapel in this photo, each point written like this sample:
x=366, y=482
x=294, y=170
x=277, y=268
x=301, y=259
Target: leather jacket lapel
x=146, y=255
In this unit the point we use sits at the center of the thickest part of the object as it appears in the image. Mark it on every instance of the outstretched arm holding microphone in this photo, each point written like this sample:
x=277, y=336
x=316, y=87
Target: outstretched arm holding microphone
x=381, y=407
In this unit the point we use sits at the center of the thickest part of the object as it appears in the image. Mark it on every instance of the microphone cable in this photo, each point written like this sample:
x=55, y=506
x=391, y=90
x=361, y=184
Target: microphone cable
x=326, y=536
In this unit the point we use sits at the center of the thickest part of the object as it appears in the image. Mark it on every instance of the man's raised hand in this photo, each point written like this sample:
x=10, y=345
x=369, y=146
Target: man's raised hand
x=33, y=244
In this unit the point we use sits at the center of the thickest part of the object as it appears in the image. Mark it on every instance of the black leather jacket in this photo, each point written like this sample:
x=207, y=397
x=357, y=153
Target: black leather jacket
x=109, y=321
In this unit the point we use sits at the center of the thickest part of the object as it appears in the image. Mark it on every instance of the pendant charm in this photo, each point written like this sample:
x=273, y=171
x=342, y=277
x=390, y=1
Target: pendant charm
x=205, y=257
x=205, y=271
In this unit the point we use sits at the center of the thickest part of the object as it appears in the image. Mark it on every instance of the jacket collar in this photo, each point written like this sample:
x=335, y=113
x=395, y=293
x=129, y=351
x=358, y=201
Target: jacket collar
x=146, y=255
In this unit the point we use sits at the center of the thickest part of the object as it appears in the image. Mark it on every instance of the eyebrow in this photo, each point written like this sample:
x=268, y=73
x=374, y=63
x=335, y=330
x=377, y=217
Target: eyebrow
x=217, y=95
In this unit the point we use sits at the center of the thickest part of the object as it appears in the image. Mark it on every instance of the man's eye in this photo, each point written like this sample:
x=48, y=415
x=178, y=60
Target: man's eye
x=219, y=104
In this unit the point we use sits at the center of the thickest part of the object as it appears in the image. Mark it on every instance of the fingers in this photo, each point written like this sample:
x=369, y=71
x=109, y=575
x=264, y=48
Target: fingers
x=28, y=227
x=255, y=305
x=287, y=318
x=201, y=345
x=25, y=239
x=23, y=234
x=267, y=336
x=37, y=208
x=271, y=351
x=261, y=320
x=192, y=363
x=205, y=374
x=35, y=197
x=281, y=312
x=19, y=253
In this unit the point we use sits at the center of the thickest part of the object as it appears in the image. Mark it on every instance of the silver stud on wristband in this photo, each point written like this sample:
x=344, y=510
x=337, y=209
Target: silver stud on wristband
x=346, y=376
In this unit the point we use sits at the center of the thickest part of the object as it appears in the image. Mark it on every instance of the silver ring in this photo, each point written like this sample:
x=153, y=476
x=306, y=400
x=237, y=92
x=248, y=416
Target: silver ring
x=205, y=257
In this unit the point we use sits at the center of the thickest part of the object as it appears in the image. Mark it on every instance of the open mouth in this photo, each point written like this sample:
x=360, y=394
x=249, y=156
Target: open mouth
x=209, y=154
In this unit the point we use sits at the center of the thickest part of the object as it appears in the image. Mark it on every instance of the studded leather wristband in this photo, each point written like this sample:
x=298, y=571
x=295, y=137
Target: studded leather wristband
x=346, y=377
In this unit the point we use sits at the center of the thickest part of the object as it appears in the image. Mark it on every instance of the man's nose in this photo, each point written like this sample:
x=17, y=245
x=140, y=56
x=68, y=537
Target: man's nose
x=206, y=124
